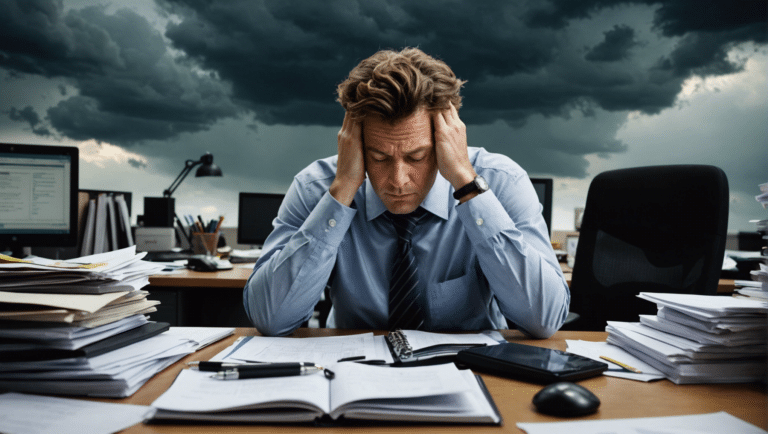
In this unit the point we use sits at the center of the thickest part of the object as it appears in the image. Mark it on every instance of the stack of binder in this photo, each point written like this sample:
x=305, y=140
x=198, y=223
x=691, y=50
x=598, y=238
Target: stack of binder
x=107, y=225
x=79, y=327
x=698, y=338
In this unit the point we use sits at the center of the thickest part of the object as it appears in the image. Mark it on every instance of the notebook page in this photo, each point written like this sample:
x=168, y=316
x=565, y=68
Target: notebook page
x=322, y=350
x=195, y=391
x=356, y=382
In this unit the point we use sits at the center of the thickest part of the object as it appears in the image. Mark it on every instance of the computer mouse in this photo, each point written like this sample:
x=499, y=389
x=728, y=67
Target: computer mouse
x=565, y=399
x=202, y=263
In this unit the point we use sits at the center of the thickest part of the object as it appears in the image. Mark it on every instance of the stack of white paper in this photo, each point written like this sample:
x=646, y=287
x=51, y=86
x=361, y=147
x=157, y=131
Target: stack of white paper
x=757, y=288
x=114, y=374
x=699, y=338
x=59, y=321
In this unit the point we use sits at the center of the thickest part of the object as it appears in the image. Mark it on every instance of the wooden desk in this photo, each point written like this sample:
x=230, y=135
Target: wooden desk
x=234, y=278
x=237, y=277
x=195, y=298
x=620, y=398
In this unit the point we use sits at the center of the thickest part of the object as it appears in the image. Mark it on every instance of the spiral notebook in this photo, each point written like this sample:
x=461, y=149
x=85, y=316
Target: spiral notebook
x=408, y=346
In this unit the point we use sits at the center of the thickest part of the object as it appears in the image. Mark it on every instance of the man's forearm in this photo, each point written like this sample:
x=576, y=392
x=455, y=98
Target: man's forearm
x=526, y=281
x=288, y=283
x=282, y=293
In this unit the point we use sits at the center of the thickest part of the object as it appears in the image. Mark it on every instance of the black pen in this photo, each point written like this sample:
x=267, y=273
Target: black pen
x=267, y=370
x=217, y=366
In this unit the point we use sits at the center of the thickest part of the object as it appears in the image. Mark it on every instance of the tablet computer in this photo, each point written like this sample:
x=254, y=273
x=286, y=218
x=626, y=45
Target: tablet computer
x=529, y=363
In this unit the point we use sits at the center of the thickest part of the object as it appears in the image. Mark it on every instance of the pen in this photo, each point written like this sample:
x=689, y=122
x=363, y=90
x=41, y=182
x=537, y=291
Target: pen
x=623, y=365
x=268, y=370
x=217, y=366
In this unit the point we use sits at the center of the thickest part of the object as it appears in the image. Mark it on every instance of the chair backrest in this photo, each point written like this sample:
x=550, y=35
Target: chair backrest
x=648, y=229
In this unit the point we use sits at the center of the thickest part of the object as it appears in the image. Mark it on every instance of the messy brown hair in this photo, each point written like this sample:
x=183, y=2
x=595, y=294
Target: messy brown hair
x=395, y=84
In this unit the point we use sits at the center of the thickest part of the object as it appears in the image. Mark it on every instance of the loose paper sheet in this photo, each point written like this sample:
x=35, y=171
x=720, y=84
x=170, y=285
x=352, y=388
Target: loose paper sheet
x=714, y=423
x=322, y=351
x=31, y=414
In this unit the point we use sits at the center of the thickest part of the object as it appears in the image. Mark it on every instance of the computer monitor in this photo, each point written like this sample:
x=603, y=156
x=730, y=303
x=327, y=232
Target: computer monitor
x=543, y=187
x=38, y=196
x=255, y=214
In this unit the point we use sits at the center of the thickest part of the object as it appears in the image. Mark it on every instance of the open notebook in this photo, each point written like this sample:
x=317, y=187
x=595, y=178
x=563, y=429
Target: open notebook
x=439, y=393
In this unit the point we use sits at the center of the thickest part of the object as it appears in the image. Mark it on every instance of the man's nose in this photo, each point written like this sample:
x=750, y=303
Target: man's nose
x=399, y=174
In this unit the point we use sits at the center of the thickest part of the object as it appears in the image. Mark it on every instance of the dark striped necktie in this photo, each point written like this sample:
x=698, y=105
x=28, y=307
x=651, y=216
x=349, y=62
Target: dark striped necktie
x=405, y=290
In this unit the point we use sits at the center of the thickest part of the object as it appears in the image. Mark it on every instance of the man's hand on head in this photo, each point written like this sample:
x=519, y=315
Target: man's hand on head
x=451, y=147
x=350, y=168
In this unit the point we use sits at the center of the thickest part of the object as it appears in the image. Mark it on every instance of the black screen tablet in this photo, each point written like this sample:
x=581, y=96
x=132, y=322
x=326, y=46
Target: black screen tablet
x=529, y=363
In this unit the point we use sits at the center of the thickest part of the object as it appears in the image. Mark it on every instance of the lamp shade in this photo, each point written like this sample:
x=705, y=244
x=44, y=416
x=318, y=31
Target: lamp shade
x=208, y=170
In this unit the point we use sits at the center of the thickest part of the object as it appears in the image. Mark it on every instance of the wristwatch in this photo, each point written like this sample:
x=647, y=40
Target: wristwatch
x=478, y=184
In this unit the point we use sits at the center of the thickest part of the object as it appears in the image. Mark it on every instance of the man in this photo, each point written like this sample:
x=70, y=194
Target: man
x=413, y=228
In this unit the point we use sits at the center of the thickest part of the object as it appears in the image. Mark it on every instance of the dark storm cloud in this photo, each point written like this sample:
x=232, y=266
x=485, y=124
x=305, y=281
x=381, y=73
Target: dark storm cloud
x=618, y=41
x=27, y=114
x=673, y=17
x=137, y=163
x=281, y=61
x=30, y=116
x=130, y=87
x=285, y=58
x=709, y=28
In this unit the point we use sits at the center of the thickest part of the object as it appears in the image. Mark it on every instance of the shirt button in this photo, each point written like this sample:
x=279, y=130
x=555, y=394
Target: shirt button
x=479, y=222
x=332, y=223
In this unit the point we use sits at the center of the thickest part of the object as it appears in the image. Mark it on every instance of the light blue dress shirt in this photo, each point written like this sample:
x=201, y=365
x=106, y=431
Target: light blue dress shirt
x=481, y=261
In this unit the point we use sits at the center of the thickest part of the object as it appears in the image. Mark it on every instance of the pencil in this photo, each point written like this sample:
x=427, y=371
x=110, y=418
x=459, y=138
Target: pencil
x=623, y=365
x=218, y=226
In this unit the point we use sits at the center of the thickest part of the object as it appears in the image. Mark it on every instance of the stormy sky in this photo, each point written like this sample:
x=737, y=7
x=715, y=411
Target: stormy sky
x=568, y=89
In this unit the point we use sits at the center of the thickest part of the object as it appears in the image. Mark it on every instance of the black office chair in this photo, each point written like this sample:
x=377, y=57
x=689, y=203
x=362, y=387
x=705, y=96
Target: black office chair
x=647, y=229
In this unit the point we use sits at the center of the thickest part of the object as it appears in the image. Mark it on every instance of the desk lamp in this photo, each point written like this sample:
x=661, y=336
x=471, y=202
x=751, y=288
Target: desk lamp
x=160, y=211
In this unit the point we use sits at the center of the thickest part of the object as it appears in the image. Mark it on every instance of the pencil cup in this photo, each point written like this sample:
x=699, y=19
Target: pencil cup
x=205, y=243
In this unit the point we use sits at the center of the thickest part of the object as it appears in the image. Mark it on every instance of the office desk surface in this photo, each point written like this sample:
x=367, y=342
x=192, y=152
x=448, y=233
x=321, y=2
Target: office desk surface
x=620, y=398
x=236, y=278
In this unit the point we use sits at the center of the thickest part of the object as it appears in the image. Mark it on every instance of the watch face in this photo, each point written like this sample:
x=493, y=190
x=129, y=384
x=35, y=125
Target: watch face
x=481, y=184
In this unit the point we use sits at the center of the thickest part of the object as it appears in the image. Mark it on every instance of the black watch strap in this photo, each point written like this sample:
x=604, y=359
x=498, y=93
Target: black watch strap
x=477, y=184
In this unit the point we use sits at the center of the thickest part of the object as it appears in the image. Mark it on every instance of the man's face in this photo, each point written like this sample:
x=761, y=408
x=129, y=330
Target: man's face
x=400, y=160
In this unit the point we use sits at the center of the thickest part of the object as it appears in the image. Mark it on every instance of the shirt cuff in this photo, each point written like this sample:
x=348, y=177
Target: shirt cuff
x=483, y=217
x=329, y=221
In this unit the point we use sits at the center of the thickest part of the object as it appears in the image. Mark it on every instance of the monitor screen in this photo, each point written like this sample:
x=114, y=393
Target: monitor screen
x=38, y=196
x=254, y=218
x=543, y=187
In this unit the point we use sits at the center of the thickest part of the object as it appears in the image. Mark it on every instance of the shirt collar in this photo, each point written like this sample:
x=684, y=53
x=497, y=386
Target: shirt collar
x=438, y=201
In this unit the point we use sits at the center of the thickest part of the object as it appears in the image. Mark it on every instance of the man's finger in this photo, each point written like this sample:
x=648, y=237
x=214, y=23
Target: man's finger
x=346, y=120
x=439, y=119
